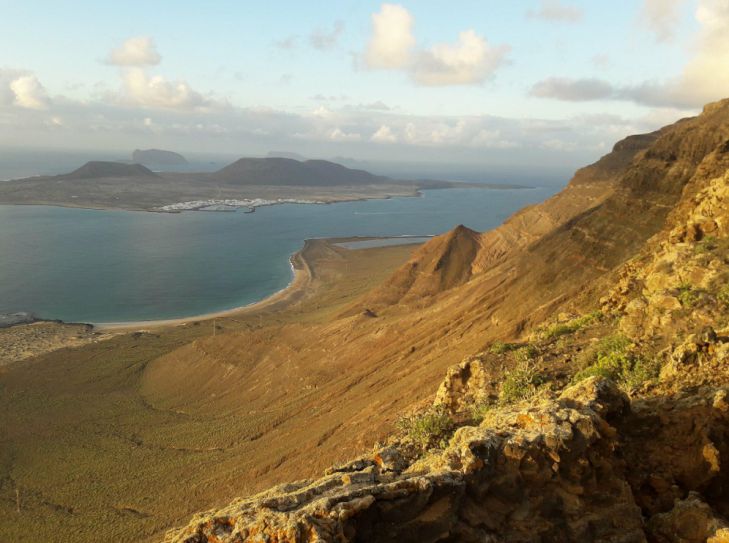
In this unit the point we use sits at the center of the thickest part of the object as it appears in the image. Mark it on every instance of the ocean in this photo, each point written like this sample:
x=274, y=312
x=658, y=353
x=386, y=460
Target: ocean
x=93, y=266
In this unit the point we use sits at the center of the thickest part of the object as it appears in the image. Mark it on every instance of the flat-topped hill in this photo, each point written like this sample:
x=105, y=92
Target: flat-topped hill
x=286, y=171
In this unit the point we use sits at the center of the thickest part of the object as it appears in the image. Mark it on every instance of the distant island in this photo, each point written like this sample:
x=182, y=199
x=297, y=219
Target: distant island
x=158, y=157
x=246, y=183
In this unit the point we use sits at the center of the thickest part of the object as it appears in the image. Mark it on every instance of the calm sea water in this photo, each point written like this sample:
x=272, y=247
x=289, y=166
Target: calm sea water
x=111, y=266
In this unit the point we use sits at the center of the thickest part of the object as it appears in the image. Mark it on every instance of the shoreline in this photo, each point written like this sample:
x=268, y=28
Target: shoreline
x=327, y=200
x=302, y=276
x=300, y=280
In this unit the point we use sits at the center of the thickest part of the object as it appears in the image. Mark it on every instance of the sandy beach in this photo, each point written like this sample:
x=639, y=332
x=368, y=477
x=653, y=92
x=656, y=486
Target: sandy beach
x=302, y=276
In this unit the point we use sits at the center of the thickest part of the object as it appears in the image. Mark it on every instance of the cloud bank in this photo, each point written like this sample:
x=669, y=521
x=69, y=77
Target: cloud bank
x=392, y=46
x=704, y=78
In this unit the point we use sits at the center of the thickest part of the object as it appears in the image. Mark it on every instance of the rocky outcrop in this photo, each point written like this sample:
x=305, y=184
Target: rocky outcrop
x=545, y=472
x=690, y=521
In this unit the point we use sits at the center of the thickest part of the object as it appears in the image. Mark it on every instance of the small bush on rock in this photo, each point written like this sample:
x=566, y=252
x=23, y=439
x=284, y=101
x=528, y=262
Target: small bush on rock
x=520, y=383
x=614, y=360
x=561, y=329
x=723, y=295
x=688, y=295
x=499, y=347
x=429, y=429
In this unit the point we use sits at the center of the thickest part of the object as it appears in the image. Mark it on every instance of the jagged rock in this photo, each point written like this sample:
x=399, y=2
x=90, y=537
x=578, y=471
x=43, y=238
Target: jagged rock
x=542, y=473
x=675, y=445
x=464, y=384
x=600, y=395
x=690, y=521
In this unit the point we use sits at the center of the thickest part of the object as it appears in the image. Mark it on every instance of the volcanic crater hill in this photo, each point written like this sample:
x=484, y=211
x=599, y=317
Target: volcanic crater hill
x=101, y=169
x=287, y=171
x=543, y=466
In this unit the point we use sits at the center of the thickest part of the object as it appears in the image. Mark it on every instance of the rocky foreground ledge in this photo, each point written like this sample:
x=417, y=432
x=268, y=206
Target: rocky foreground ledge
x=551, y=471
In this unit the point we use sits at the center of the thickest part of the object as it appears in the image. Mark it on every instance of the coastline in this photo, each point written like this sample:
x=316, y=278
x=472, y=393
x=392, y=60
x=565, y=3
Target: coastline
x=302, y=277
x=300, y=280
x=417, y=192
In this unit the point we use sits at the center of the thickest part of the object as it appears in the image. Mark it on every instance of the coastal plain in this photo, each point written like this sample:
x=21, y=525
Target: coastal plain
x=81, y=424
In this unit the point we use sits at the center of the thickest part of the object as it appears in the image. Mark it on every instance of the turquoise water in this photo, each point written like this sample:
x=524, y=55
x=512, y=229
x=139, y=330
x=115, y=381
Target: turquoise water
x=112, y=266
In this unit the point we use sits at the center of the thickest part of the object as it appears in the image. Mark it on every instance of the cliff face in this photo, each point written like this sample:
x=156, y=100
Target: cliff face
x=606, y=418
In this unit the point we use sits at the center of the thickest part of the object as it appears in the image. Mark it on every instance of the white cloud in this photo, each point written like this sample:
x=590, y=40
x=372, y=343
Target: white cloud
x=323, y=112
x=392, y=38
x=155, y=91
x=556, y=11
x=661, y=16
x=323, y=39
x=705, y=78
x=29, y=93
x=471, y=60
x=22, y=89
x=384, y=134
x=136, y=51
x=340, y=135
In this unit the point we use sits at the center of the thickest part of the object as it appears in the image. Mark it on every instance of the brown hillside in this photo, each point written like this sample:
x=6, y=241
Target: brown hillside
x=441, y=264
x=612, y=426
x=334, y=388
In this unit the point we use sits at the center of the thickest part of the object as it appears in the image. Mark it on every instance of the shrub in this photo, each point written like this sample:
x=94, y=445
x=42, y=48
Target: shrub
x=499, y=347
x=614, y=360
x=479, y=411
x=520, y=383
x=723, y=295
x=688, y=295
x=706, y=245
x=526, y=353
x=429, y=429
x=562, y=329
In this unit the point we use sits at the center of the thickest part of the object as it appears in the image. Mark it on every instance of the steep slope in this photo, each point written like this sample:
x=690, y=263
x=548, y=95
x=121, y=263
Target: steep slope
x=286, y=171
x=441, y=264
x=588, y=188
x=608, y=427
x=376, y=364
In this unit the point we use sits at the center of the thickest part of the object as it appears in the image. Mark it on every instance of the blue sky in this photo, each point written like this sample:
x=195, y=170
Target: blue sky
x=464, y=80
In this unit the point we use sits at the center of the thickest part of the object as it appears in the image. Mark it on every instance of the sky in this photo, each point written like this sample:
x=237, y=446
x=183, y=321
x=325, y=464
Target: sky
x=482, y=82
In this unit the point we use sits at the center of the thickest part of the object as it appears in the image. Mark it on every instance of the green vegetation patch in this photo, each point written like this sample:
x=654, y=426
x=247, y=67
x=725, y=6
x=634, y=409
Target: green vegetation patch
x=520, y=383
x=688, y=295
x=429, y=429
x=615, y=360
x=723, y=295
x=707, y=245
x=561, y=329
x=499, y=347
x=480, y=411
